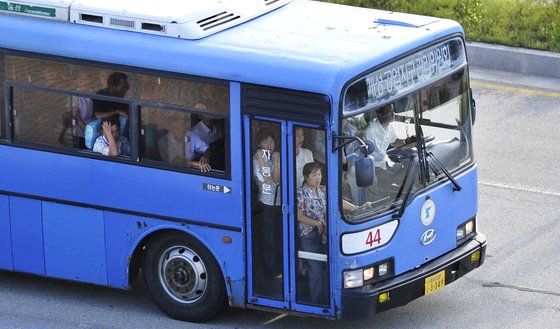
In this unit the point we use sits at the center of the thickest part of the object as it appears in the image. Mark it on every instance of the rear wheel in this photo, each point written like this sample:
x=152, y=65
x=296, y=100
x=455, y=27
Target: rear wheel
x=183, y=278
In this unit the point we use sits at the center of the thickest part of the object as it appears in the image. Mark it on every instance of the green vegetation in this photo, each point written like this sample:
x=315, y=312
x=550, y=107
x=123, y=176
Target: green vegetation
x=518, y=23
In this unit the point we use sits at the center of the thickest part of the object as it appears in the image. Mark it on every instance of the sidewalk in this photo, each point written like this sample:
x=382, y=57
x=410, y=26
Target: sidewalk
x=514, y=60
x=514, y=79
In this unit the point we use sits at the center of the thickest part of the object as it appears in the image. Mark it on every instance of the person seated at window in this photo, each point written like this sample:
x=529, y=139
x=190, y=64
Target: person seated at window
x=204, y=133
x=117, y=86
x=110, y=142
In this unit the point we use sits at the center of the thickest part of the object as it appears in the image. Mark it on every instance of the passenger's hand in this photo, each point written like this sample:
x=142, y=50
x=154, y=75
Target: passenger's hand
x=410, y=139
x=122, y=114
x=106, y=129
x=321, y=227
x=204, y=167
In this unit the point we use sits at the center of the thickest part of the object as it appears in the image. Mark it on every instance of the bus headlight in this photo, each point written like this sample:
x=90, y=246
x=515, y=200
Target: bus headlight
x=383, y=269
x=465, y=230
x=370, y=274
x=353, y=279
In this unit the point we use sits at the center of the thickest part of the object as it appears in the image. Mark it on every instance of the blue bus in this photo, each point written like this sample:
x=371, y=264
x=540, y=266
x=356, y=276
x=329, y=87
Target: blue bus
x=297, y=156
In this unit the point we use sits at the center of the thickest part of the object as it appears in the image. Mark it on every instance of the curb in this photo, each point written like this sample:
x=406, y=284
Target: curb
x=516, y=60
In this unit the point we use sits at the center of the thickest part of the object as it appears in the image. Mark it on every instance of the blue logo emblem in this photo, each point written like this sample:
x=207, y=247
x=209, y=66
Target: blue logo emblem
x=428, y=212
x=428, y=237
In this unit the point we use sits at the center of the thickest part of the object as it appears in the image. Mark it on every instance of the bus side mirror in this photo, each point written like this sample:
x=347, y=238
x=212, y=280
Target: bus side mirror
x=365, y=171
x=365, y=168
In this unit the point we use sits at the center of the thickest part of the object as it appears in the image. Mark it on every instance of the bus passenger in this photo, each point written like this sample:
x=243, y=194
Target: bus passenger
x=117, y=86
x=312, y=228
x=266, y=170
x=303, y=155
x=203, y=134
x=83, y=114
x=110, y=142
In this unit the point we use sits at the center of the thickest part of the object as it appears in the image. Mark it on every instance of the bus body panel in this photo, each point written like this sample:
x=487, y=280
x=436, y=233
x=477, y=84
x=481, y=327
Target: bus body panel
x=125, y=232
x=171, y=194
x=74, y=235
x=100, y=244
x=80, y=212
x=364, y=301
x=27, y=235
x=302, y=46
x=6, y=261
x=452, y=209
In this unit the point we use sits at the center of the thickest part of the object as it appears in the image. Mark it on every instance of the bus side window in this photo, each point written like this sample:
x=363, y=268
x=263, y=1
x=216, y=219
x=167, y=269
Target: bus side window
x=164, y=133
x=189, y=129
x=169, y=136
x=56, y=118
x=41, y=117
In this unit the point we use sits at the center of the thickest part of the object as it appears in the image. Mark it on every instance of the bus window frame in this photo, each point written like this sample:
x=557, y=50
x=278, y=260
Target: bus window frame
x=189, y=110
x=134, y=104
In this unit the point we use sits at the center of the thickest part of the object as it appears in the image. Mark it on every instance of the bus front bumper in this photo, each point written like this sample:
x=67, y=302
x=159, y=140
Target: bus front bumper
x=362, y=302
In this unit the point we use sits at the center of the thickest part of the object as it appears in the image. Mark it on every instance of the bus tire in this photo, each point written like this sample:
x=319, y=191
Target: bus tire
x=183, y=278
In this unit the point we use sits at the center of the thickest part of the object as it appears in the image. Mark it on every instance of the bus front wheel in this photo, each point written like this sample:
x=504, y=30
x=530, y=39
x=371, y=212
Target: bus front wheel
x=183, y=278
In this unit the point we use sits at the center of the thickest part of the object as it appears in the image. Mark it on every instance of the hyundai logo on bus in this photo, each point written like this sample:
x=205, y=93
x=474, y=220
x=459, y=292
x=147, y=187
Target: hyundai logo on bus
x=428, y=237
x=216, y=188
x=428, y=212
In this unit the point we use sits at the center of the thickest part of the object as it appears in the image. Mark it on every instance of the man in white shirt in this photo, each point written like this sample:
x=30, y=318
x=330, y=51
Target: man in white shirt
x=381, y=131
x=199, y=139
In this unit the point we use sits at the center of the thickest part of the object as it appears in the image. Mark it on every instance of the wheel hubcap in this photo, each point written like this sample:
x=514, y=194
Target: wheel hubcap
x=183, y=274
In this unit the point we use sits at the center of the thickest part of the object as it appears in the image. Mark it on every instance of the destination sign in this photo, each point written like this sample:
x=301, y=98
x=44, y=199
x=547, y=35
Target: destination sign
x=27, y=9
x=405, y=75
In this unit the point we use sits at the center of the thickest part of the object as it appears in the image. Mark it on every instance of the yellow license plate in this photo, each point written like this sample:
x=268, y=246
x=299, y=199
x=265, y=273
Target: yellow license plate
x=434, y=283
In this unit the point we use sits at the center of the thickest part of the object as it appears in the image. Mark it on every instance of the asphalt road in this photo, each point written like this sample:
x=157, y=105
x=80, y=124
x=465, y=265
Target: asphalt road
x=518, y=286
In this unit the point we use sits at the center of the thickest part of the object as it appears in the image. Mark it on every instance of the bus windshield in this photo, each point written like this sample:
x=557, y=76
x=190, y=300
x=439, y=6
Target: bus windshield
x=420, y=139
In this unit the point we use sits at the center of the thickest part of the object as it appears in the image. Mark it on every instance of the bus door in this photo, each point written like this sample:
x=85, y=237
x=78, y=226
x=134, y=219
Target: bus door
x=287, y=258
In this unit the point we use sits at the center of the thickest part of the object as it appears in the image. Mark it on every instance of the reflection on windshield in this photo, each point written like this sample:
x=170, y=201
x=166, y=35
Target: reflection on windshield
x=419, y=139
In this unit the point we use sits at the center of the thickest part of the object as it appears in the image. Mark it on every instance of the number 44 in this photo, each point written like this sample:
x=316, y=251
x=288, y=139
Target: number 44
x=371, y=239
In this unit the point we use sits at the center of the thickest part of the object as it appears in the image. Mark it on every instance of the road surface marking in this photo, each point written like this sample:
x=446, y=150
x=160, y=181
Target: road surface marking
x=519, y=188
x=515, y=89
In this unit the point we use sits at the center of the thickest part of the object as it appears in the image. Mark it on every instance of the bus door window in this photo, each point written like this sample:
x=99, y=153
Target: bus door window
x=2, y=113
x=267, y=229
x=312, y=286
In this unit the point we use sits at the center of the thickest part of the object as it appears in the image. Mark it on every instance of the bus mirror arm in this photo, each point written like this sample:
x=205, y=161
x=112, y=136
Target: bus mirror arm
x=365, y=169
x=366, y=145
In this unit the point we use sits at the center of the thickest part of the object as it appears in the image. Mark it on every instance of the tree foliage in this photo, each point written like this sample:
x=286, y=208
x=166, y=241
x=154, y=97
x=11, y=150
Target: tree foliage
x=518, y=23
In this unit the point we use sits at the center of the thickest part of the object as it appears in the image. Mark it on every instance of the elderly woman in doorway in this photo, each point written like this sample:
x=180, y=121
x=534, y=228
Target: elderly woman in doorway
x=312, y=228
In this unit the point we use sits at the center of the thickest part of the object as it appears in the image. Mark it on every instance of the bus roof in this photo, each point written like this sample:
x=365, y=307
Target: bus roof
x=303, y=45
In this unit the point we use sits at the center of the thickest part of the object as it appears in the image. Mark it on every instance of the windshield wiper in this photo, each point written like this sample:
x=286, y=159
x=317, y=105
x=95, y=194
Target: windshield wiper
x=456, y=186
x=405, y=179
